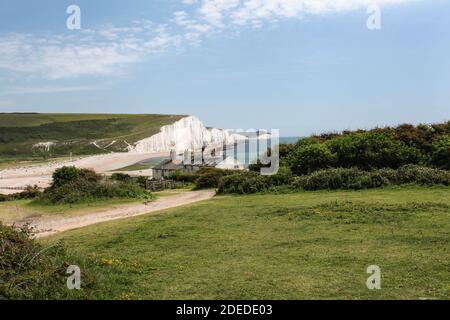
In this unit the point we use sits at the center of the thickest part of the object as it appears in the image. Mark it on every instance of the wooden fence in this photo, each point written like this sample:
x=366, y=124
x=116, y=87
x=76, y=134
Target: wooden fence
x=160, y=185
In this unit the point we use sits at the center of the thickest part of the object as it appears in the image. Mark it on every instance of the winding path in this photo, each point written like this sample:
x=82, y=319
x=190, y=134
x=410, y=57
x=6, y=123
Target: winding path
x=45, y=226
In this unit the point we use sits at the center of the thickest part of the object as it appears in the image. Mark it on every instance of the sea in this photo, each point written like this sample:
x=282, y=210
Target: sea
x=244, y=154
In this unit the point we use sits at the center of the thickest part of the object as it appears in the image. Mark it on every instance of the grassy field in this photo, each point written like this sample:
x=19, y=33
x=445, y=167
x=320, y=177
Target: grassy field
x=74, y=133
x=294, y=246
x=135, y=167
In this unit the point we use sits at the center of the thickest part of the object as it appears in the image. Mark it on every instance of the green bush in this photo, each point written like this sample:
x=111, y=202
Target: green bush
x=30, y=192
x=252, y=182
x=309, y=157
x=30, y=271
x=142, y=181
x=72, y=185
x=4, y=197
x=283, y=177
x=210, y=177
x=184, y=177
x=81, y=190
x=121, y=177
x=66, y=175
x=243, y=183
x=441, y=152
x=337, y=178
x=353, y=178
x=422, y=175
x=208, y=180
x=333, y=179
x=372, y=150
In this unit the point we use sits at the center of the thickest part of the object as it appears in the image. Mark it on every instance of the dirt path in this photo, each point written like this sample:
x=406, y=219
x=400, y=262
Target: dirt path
x=46, y=226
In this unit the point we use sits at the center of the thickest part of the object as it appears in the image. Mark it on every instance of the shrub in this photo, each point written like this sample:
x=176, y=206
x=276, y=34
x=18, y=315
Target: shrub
x=243, y=183
x=208, y=180
x=30, y=192
x=422, y=175
x=372, y=150
x=210, y=177
x=121, y=177
x=71, y=185
x=283, y=177
x=353, y=178
x=441, y=152
x=65, y=175
x=81, y=190
x=285, y=149
x=178, y=175
x=142, y=181
x=186, y=177
x=339, y=178
x=4, y=197
x=307, y=158
x=30, y=271
x=257, y=166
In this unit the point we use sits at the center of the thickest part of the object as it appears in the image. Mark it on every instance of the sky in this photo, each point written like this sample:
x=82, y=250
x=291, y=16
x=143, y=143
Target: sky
x=301, y=66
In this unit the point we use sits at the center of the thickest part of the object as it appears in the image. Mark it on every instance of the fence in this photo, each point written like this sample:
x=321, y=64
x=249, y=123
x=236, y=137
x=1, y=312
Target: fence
x=160, y=185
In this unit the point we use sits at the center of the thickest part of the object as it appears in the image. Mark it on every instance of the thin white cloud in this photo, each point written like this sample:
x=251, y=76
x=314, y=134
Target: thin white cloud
x=104, y=51
x=255, y=12
x=45, y=89
x=109, y=50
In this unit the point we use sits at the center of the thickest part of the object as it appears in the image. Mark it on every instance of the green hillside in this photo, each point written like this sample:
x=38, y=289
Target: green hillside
x=307, y=245
x=74, y=133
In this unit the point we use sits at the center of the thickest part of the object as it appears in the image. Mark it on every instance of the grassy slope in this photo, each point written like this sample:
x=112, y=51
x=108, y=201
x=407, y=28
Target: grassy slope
x=295, y=246
x=74, y=132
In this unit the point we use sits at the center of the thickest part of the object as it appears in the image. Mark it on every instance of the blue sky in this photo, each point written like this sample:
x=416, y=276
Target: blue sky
x=302, y=66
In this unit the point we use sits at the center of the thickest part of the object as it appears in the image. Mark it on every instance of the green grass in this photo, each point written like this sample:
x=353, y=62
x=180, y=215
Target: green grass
x=135, y=167
x=294, y=246
x=37, y=119
x=74, y=133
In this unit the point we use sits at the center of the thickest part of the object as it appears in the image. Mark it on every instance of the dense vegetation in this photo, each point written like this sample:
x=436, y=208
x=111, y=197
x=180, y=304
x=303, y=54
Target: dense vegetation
x=28, y=270
x=72, y=185
x=74, y=133
x=332, y=179
x=427, y=145
x=30, y=192
x=355, y=160
x=205, y=178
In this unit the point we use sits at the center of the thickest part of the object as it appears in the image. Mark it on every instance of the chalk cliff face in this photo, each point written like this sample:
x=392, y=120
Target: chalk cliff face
x=186, y=133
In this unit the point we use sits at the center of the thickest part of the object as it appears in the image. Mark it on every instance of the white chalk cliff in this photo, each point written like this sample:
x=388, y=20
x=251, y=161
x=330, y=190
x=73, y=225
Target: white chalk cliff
x=187, y=133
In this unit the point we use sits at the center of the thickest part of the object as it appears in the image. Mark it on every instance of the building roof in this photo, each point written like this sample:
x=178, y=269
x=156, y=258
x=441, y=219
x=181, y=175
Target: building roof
x=168, y=165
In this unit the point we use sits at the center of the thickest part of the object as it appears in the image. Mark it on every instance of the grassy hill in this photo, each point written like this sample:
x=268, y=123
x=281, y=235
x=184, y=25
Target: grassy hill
x=287, y=246
x=76, y=133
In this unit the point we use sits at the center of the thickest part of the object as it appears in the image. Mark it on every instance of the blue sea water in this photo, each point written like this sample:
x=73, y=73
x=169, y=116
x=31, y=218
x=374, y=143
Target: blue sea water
x=289, y=140
x=243, y=154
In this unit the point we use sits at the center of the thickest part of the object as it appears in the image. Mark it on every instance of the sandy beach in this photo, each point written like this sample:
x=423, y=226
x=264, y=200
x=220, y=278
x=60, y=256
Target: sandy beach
x=41, y=174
